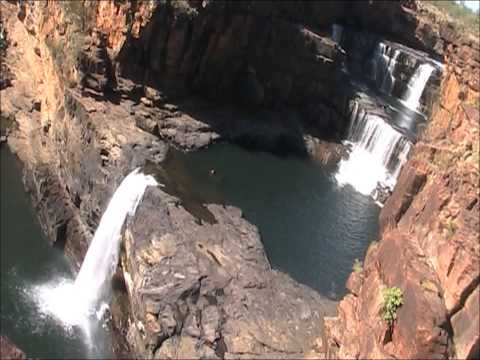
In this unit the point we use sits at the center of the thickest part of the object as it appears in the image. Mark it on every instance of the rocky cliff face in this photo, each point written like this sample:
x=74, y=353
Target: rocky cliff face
x=9, y=351
x=118, y=82
x=77, y=146
x=204, y=289
x=428, y=245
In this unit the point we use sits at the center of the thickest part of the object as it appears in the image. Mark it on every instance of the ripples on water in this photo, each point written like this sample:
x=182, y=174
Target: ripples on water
x=311, y=228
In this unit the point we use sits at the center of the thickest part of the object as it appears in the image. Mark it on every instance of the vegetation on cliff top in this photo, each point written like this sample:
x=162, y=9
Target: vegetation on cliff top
x=460, y=14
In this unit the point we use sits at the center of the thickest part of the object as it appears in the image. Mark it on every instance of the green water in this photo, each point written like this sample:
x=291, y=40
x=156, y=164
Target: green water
x=310, y=228
x=28, y=264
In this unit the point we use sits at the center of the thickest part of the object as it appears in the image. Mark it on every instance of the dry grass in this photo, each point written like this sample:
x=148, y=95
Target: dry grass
x=462, y=17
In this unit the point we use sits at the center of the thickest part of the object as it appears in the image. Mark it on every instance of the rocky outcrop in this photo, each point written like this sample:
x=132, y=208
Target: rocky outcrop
x=229, y=52
x=202, y=287
x=258, y=54
x=95, y=66
x=8, y=350
x=428, y=245
x=6, y=74
x=76, y=150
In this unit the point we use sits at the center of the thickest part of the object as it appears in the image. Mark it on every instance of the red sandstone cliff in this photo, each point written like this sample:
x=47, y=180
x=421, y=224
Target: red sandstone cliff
x=429, y=245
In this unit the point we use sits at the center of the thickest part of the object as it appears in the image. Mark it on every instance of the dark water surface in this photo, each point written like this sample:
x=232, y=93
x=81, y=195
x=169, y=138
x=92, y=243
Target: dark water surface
x=28, y=263
x=310, y=228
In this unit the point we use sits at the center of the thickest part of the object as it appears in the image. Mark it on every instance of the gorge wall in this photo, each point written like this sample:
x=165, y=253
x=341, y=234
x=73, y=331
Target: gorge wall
x=428, y=245
x=116, y=81
x=8, y=350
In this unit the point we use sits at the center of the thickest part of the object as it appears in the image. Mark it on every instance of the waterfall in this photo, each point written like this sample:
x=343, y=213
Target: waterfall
x=378, y=150
x=102, y=256
x=385, y=60
x=337, y=31
x=377, y=155
x=379, y=140
x=73, y=303
x=416, y=85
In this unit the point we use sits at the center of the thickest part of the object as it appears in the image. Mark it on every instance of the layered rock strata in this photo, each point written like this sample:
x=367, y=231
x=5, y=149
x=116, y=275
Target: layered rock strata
x=428, y=245
x=78, y=142
x=77, y=145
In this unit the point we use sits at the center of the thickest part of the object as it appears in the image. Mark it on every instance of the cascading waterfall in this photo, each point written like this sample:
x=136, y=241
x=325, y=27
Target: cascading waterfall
x=337, y=31
x=384, y=65
x=74, y=303
x=378, y=149
x=102, y=255
x=377, y=154
x=378, y=144
x=416, y=85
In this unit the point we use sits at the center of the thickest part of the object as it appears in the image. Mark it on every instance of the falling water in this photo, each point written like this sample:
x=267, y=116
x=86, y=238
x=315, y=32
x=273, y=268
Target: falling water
x=73, y=303
x=378, y=150
x=377, y=155
x=385, y=60
x=102, y=255
x=416, y=85
x=337, y=31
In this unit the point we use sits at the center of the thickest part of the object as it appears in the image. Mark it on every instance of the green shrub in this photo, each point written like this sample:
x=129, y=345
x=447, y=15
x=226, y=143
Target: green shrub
x=392, y=300
x=451, y=227
x=357, y=266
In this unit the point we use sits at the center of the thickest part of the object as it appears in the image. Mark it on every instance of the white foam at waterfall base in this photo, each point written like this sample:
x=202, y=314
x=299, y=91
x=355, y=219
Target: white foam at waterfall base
x=362, y=172
x=102, y=255
x=74, y=303
x=377, y=153
x=378, y=150
x=416, y=85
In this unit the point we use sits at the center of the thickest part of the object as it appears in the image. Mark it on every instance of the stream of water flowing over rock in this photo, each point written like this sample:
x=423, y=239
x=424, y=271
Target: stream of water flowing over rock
x=378, y=152
x=416, y=85
x=44, y=310
x=384, y=65
x=100, y=261
x=30, y=267
x=383, y=127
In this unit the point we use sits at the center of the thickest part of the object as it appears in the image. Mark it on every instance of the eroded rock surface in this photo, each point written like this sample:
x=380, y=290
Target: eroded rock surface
x=219, y=297
x=429, y=239
x=8, y=350
x=203, y=289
